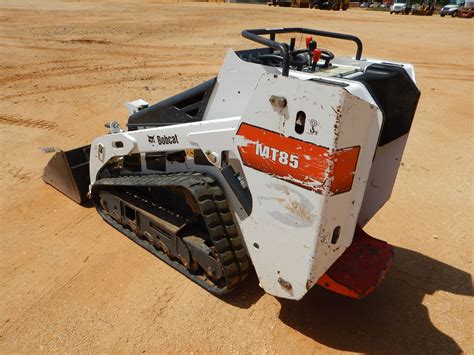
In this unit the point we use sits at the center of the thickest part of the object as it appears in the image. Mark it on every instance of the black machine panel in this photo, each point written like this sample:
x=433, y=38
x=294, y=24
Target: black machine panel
x=188, y=106
x=396, y=95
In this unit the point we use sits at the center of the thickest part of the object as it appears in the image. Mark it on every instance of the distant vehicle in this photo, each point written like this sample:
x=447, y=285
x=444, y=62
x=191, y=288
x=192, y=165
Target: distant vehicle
x=451, y=8
x=364, y=4
x=284, y=3
x=425, y=9
x=330, y=5
x=300, y=3
x=467, y=10
x=400, y=7
x=288, y=3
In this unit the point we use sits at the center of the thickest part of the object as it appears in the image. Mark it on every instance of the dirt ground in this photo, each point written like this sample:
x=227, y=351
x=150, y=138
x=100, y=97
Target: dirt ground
x=70, y=283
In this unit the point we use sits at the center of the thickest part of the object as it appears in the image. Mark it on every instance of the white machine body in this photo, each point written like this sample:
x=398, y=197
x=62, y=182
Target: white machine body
x=306, y=147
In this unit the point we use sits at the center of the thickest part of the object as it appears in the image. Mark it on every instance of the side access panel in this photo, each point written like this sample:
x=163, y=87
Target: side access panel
x=306, y=182
x=393, y=88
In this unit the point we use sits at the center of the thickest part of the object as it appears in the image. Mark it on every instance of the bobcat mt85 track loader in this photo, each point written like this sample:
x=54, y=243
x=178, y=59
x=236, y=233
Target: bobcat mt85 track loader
x=278, y=162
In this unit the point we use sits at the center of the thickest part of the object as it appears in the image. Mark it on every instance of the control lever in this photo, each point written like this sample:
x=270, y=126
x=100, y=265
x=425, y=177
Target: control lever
x=292, y=44
x=316, y=56
x=312, y=45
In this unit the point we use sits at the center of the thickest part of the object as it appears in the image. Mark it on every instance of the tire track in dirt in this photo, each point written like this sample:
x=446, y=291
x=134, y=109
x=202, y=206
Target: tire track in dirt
x=443, y=66
x=132, y=53
x=41, y=48
x=154, y=76
x=65, y=88
x=91, y=41
x=24, y=122
x=39, y=64
x=61, y=71
x=452, y=77
x=45, y=73
x=29, y=123
x=100, y=46
x=20, y=174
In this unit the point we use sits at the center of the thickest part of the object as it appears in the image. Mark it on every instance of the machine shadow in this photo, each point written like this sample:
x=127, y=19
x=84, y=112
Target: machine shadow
x=391, y=320
x=87, y=204
x=247, y=293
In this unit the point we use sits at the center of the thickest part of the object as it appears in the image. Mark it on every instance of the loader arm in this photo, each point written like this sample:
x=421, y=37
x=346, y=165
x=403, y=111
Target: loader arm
x=212, y=136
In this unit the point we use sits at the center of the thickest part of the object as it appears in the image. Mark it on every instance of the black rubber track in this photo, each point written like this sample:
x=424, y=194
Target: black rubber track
x=212, y=203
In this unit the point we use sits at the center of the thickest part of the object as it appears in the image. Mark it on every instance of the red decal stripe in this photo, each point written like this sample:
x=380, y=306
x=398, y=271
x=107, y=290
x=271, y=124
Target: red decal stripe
x=298, y=162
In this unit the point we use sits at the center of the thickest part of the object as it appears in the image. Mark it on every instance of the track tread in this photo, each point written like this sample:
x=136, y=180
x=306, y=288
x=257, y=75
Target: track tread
x=214, y=210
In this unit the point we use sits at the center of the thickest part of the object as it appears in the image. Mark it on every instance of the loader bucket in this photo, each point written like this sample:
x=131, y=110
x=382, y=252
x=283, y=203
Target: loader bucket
x=68, y=172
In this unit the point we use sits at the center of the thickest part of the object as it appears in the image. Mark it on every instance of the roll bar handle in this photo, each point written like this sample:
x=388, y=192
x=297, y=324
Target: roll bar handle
x=256, y=36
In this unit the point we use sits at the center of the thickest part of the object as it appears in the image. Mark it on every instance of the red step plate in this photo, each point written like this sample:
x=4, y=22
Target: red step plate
x=361, y=268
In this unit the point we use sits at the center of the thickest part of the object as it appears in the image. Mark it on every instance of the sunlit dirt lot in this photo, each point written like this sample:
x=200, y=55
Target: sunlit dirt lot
x=71, y=283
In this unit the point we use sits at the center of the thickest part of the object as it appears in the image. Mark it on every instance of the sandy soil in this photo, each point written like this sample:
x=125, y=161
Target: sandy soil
x=71, y=283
